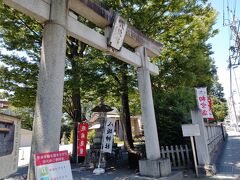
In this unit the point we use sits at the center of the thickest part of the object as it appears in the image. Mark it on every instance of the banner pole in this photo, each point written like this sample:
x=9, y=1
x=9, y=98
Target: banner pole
x=77, y=141
x=99, y=162
x=100, y=170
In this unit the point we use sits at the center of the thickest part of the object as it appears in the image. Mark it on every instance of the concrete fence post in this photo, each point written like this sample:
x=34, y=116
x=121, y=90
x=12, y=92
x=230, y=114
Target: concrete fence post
x=222, y=131
x=201, y=141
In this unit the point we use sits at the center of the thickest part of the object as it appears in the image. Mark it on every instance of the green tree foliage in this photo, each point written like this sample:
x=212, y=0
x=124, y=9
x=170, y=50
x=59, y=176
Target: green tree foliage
x=19, y=73
x=26, y=116
x=219, y=103
x=217, y=91
x=182, y=26
x=172, y=109
x=219, y=109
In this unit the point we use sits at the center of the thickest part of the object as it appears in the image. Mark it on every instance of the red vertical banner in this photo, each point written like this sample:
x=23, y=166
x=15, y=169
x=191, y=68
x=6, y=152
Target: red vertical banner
x=210, y=109
x=82, y=139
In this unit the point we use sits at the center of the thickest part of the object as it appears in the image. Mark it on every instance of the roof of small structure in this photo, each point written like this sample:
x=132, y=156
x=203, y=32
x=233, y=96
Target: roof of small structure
x=6, y=118
x=4, y=104
x=102, y=107
x=114, y=111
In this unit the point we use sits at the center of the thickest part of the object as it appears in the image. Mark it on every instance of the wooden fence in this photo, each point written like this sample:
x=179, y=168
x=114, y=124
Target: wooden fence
x=180, y=156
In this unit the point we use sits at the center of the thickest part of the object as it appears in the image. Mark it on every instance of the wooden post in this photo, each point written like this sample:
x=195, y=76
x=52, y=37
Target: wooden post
x=194, y=155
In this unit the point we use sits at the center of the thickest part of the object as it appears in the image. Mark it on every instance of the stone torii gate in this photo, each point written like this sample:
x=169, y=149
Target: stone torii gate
x=58, y=23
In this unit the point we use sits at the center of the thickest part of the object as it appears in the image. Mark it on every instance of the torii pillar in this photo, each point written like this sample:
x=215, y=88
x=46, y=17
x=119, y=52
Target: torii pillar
x=48, y=110
x=154, y=166
x=148, y=113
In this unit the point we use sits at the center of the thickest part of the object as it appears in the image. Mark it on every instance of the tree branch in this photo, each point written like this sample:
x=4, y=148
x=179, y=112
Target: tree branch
x=35, y=33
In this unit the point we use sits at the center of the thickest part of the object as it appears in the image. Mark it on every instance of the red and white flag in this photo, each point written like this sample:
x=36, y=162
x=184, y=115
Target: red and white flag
x=210, y=109
x=203, y=102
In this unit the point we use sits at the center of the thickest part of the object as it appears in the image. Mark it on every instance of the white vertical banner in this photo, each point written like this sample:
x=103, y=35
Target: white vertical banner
x=108, y=135
x=202, y=101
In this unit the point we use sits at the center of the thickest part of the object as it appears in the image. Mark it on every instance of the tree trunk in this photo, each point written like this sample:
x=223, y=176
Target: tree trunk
x=75, y=89
x=76, y=119
x=133, y=155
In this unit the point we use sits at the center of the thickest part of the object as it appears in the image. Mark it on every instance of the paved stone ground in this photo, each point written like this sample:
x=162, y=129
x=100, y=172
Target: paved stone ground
x=228, y=166
x=110, y=174
x=117, y=171
x=21, y=174
x=120, y=173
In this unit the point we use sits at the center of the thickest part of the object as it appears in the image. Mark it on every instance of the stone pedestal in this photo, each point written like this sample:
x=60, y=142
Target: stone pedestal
x=155, y=168
x=97, y=141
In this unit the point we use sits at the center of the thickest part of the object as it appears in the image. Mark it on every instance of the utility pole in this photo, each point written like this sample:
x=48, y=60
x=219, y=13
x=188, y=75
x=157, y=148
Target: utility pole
x=234, y=57
x=232, y=96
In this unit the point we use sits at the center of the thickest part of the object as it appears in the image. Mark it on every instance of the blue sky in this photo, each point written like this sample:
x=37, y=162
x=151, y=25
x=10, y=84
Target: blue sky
x=221, y=42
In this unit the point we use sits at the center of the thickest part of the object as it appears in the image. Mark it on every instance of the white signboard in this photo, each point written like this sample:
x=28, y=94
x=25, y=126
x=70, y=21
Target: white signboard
x=118, y=33
x=190, y=130
x=53, y=165
x=202, y=101
x=108, y=135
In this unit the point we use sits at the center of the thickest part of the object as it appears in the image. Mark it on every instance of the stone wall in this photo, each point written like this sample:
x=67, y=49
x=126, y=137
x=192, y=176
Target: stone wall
x=216, y=135
x=9, y=145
